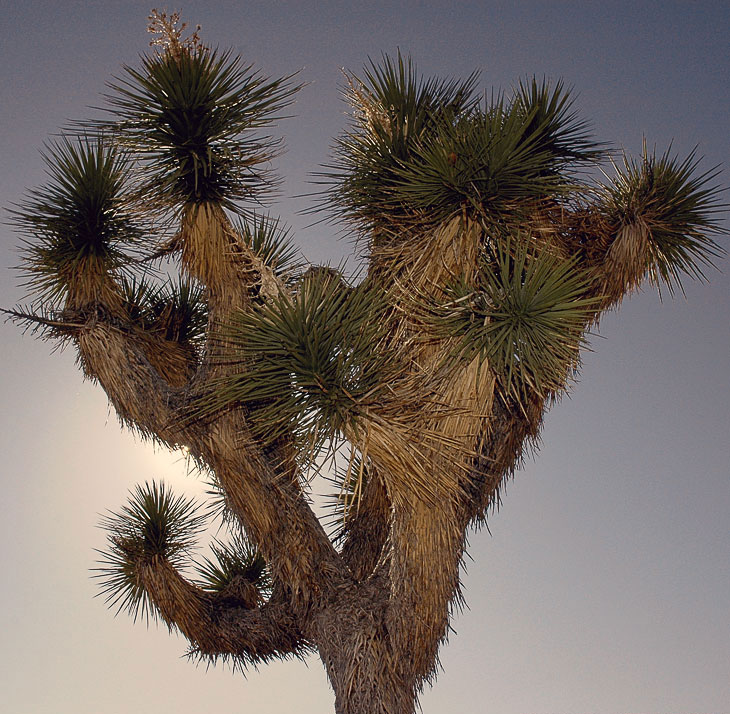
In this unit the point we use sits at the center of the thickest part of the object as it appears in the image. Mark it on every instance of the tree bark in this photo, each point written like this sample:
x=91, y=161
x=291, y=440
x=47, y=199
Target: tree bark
x=363, y=662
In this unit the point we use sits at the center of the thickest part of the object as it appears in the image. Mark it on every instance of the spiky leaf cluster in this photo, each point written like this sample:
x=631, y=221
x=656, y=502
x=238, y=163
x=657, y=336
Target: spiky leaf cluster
x=554, y=127
x=677, y=204
x=234, y=562
x=487, y=163
x=526, y=318
x=395, y=110
x=81, y=220
x=175, y=309
x=154, y=523
x=309, y=362
x=192, y=118
x=423, y=151
x=271, y=242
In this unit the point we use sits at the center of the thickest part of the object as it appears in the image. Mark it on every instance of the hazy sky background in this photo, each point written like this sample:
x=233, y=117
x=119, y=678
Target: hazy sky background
x=605, y=584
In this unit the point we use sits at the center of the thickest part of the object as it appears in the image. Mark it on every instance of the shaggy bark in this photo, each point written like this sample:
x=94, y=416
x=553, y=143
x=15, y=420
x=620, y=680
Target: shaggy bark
x=377, y=610
x=344, y=605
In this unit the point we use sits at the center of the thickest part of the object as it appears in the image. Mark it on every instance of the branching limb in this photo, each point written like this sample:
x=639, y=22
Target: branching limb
x=268, y=504
x=148, y=541
x=656, y=218
x=367, y=528
x=215, y=626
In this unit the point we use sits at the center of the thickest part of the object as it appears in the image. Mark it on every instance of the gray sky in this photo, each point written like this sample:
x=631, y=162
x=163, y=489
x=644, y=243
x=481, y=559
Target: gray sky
x=604, y=586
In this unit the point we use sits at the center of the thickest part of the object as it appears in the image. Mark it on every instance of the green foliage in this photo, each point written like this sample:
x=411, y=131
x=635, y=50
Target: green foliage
x=395, y=110
x=422, y=151
x=271, y=242
x=192, y=118
x=81, y=215
x=154, y=523
x=177, y=309
x=485, y=163
x=554, y=127
x=239, y=559
x=526, y=317
x=308, y=362
x=677, y=204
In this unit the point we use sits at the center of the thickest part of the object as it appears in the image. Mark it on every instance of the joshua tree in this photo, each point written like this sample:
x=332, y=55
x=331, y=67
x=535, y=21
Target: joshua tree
x=490, y=248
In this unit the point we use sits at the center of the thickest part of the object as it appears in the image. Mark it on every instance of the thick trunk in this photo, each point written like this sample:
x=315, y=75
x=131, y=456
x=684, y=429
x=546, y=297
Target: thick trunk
x=367, y=673
x=363, y=686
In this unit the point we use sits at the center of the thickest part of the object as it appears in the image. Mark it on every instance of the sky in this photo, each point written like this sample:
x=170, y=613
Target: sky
x=603, y=584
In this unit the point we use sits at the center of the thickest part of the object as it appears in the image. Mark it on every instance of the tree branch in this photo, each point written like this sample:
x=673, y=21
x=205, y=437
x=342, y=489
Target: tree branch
x=366, y=532
x=213, y=624
x=267, y=502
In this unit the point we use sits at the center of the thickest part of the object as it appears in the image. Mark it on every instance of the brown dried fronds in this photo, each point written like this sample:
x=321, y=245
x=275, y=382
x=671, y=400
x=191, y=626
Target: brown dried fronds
x=618, y=253
x=174, y=362
x=427, y=545
x=578, y=230
x=233, y=625
x=138, y=392
x=171, y=38
x=365, y=532
x=404, y=450
x=248, y=477
x=423, y=431
x=179, y=603
x=418, y=261
x=627, y=260
x=89, y=283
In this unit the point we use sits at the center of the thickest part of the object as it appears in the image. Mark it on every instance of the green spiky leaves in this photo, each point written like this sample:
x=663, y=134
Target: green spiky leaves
x=238, y=572
x=271, y=243
x=154, y=524
x=309, y=362
x=526, y=318
x=676, y=205
x=175, y=310
x=491, y=163
x=395, y=112
x=78, y=224
x=192, y=118
x=553, y=126
x=422, y=151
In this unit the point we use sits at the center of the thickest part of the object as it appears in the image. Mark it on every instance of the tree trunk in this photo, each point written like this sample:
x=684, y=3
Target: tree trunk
x=366, y=671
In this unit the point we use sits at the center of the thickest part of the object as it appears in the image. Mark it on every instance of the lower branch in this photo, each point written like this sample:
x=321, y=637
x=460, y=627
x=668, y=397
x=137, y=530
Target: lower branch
x=215, y=627
x=271, y=509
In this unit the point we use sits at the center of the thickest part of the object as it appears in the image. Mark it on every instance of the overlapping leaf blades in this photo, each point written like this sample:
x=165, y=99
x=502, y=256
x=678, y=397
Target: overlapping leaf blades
x=154, y=523
x=192, y=118
x=234, y=562
x=81, y=222
x=394, y=111
x=175, y=309
x=309, y=362
x=421, y=151
x=526, y=318
x=271, y=242
x=554, y=126
x=677, y=204
x=443, y=185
